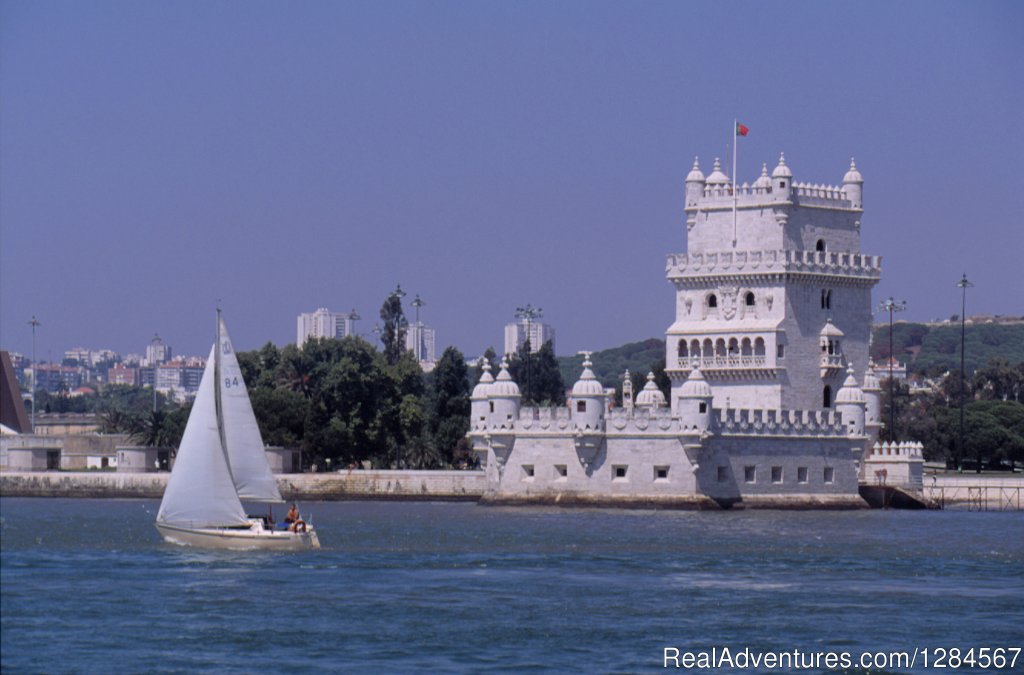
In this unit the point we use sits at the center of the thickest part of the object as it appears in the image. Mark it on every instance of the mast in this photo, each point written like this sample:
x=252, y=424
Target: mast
x=218, y=403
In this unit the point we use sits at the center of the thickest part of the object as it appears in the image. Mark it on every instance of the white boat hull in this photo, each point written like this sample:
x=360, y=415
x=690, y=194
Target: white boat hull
x=255, y=537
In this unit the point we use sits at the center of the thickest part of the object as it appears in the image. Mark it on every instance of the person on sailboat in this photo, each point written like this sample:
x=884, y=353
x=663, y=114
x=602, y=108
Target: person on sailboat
x=294, y=521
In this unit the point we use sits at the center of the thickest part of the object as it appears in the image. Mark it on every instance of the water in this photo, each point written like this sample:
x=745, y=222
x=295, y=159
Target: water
x=89, y=587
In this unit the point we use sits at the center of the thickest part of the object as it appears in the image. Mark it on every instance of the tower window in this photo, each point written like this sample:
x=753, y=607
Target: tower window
x=702, y=407
x=829, y=474
x=826, y=397
x=826, y=298
x=682, y=349
x=750, y=299
x=581, y=406
x=780, y=351
x=749, y=474
x=491, y=404
x=820, y=246
x=712, y=300
x=782, y=183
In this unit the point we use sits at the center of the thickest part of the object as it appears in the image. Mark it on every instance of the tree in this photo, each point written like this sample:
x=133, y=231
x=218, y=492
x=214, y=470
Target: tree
x=492, y=358
x=449, y=413
x=538, y=375
x=395, y=323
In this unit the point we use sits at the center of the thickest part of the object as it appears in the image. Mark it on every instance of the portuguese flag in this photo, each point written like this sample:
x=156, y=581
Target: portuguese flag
x=741, y=130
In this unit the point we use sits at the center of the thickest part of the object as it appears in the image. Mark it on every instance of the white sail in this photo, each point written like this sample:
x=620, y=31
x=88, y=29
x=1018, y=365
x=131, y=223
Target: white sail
x=200, y=491
x=246, y=453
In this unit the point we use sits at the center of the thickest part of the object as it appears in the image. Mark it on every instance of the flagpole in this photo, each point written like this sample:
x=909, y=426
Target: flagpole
x=734, y=195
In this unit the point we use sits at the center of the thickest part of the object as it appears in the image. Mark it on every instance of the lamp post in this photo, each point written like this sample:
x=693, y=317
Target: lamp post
x=963, y=285
x=418, y=351
x=34, y=322
x=353, y=317
x=890, y=305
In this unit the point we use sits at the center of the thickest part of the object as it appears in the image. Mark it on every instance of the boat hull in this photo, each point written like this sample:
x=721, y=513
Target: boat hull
x=240, y=539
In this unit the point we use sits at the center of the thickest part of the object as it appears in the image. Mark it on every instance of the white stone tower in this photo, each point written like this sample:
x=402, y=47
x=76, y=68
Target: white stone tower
x=774, y=302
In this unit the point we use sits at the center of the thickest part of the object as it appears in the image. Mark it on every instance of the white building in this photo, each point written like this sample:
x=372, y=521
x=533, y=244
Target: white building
x=157, y=352
x=771, y=328
x=324, y=323
x=420, y=339
x=517, y=332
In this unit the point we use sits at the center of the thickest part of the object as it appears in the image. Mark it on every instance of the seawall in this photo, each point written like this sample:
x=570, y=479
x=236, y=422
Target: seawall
x=345, y=485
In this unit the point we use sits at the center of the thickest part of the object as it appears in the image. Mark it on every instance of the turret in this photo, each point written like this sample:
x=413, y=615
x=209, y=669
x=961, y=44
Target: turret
x=627, y=393
x=479, y=405
x=782, y=181
x=763, y=184
x=850, y=403
x=872, y=403
x=853, y=186
x=504, y=399
x=588, y=400
x=651, y=397
x=695, y=401
x=694, y=185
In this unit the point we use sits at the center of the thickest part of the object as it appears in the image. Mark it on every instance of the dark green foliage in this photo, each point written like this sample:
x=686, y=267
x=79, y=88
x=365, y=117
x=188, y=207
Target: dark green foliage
x=395, y=323
x=610, y=364
x=449, y=404
x=161, y=428
x=492, y=358
x=538, y=375
x=934, y=350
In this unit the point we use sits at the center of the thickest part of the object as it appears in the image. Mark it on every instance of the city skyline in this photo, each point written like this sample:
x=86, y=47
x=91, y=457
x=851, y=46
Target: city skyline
x=482, y=155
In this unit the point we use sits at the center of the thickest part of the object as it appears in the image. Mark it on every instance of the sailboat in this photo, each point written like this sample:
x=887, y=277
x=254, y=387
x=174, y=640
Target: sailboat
x=220, y=462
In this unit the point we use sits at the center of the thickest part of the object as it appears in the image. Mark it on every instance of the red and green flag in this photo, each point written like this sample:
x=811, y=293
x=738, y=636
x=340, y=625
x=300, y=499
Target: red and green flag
x=741, y=130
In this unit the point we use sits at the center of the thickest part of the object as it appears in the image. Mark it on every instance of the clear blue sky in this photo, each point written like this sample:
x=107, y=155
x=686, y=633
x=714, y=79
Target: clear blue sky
x=155, y=157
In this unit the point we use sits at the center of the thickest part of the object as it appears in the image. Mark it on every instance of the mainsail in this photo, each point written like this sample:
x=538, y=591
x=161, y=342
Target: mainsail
x=200, y=491
x=246, y=454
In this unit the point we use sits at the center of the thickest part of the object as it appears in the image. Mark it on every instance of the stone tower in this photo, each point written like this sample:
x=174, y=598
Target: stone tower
x=773, y=296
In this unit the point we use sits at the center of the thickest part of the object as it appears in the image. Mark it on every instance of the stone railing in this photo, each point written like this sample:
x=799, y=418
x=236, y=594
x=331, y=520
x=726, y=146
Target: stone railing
x=803, y=193
x=780, y=422
x=720, y=362
x=829, y=195
x=832, y=361
x=738, y=262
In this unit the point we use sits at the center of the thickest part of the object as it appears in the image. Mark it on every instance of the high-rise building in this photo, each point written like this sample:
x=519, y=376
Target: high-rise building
x=516, y=334
x=157, y=352
x=324, y=323
x=420, y=340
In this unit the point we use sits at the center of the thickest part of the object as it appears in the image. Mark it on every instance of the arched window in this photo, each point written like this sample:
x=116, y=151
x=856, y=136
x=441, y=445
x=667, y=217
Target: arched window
x=759, y=347
x=749, y=299
x=820, y=246
x=826, y=298
x=707, y=349
x=683, y=351
x=826, y=397
x=720, y=347
x=695, y=349
x=745, y=348
x=734, y=346
x=712, y=300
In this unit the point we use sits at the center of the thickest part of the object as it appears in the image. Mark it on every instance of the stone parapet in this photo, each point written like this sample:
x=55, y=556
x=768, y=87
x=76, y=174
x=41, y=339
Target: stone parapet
x=795, y=423
x=682, y=267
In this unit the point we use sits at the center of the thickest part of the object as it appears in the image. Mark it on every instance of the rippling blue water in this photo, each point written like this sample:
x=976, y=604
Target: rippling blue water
x=89, y=587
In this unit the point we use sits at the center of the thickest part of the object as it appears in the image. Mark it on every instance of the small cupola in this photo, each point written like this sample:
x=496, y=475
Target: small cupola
x=782, y=181
x=651, y=396
x=694, y=401
x=479, y=404
x=850, y=403
x=853, y=186
x=763, y=183
x=781, y=170
x=717, y=176
x=694, y=184
x=504, y=398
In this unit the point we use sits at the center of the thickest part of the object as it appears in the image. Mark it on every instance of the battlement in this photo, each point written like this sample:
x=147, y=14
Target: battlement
x=683, y=265
x=780, y=422
x=881, y=452
x=720, y=195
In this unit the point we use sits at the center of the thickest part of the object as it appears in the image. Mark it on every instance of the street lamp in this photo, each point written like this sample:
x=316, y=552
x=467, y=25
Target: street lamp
x=34, y=322
x=418, y=351
x=353, y=317
x=890, y=305
x=963, y=285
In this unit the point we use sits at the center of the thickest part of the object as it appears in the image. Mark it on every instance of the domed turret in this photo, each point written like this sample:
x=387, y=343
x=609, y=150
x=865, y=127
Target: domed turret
x=853, y=186
x=504, y=398
x=782, y=180
x=850, y=403
x=479, y=405
x=588, y=399
x=694, y=184
x=763, y=183
x=651, y=396
x=694, y=400
x=717, y=177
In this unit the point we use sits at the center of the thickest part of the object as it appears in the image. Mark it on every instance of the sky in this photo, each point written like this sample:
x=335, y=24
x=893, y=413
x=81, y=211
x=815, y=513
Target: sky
x=159, y=158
